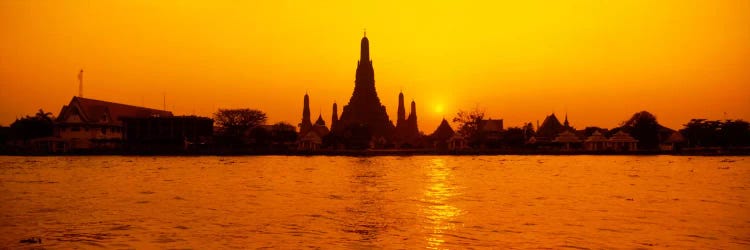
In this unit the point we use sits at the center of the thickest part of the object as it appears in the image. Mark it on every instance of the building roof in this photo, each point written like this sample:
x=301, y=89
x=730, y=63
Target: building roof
x=491, y=125
x=457, y=137
x=567, y=137
x=320, y=121
x=312, y=137
x=443, y=131
x=596, y=137
x=104, y=112
x=621, y=136
x=550, y=128
x=319, y=130
x=676, y=137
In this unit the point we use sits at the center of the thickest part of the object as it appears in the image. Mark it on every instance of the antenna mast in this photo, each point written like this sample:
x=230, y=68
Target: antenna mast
x=80, y=83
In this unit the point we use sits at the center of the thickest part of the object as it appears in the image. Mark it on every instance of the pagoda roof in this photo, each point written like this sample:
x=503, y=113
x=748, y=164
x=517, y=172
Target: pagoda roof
x=622, y=136
x=596, y=137
x=443, y=131
x=567, y=137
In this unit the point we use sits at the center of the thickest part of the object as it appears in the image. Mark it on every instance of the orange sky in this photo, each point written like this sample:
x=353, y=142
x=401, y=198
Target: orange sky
x=600, y=61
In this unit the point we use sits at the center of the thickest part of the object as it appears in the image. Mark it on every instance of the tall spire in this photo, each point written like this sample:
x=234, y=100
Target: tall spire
x=413, y=128
x=401, y=116
x=566, y=124
x=413, y=111
x=334, y=115
x=364, y=114
x=364, y=81
x=306, y=123
x=364, y=53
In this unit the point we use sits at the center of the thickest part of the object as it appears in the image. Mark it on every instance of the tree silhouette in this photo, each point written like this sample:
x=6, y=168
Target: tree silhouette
x=735, y=133
x=236, y=122
x=705, y=133
x=643, y=127
x=47, y=116
x=468, y=124
x=30, y=127
x=283, y=132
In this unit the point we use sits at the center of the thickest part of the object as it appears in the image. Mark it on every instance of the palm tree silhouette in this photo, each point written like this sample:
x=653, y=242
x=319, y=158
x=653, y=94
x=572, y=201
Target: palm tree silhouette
x=47, y=116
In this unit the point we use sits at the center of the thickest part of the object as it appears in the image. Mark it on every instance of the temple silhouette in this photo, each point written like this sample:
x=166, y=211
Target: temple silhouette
x=96, y=126
x=364, y=121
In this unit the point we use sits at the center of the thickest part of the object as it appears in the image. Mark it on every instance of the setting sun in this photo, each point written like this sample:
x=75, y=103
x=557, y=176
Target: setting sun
x=439, y=109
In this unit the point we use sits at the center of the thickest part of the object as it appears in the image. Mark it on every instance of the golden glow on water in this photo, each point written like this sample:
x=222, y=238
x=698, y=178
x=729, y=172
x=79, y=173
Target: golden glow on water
x=439, y=213
x=433, y=202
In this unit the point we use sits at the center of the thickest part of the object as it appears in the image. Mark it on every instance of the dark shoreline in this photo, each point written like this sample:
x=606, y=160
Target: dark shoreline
x=385, y=152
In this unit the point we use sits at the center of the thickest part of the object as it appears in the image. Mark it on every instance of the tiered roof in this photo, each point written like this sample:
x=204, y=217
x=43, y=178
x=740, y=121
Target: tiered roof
x=596, y=137
x=621, y=136
x=567, y=137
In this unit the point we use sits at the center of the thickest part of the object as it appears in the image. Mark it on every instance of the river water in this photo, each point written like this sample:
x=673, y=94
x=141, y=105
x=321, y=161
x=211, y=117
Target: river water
x=432, y=202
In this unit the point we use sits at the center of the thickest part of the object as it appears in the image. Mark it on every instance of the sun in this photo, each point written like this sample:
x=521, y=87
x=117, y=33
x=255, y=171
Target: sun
x=439, y=108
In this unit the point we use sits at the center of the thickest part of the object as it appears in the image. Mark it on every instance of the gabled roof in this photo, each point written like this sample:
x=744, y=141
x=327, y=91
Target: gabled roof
x=312, y=137
x=97, y=111
x=443, y=131
x=596, y=137
x=319, y=130
x=551, y=127
x=567, y=136
x=621, y=136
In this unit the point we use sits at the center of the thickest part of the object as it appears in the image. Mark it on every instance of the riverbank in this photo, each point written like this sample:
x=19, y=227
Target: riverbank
x=396, y=152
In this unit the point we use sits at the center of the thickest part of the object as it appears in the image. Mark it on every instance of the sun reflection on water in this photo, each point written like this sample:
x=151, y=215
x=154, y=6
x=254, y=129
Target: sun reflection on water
x=438, y=212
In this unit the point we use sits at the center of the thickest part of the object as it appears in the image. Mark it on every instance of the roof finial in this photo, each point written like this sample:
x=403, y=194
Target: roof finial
x=365, y=32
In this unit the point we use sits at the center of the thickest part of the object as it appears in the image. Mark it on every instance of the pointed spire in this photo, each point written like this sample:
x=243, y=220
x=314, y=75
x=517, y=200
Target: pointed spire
x=364, y=106
x=413, y=108
x=334, y=115
x=412, y=120
x=401, y=113
x=364, y=54
x=320, y=121
x=305, y=124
